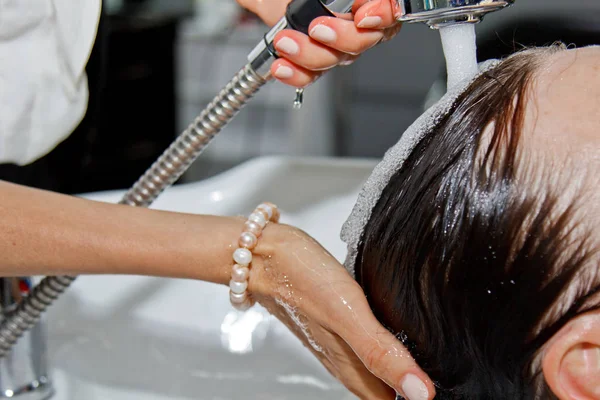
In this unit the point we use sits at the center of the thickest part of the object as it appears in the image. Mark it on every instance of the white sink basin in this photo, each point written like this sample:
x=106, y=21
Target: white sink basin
x=127, y=337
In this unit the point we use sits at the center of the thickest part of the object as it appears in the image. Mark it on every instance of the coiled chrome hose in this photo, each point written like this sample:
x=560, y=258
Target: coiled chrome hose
x=163, y=173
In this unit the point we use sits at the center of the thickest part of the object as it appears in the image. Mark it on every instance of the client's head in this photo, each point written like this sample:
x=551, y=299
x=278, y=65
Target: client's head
x=482, y=252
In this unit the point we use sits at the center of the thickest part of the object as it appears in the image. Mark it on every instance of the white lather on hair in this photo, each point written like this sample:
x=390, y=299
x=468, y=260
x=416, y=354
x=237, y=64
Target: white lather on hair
x=392, y=161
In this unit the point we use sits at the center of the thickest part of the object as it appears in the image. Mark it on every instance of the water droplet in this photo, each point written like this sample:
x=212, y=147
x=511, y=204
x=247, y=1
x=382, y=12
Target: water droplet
x=403, y=337
x=512, y=282
x=298, y=100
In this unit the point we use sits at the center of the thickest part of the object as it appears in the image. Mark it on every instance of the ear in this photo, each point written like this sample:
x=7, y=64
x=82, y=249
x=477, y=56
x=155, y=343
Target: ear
x=571, y=361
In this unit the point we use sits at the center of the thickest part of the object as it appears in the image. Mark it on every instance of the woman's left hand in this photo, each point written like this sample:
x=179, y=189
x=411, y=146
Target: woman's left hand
x=306, y=288
x=332, y=41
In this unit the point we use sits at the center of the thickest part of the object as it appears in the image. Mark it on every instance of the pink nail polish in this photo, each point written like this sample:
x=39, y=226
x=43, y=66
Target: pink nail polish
x=370, y=22
x=414, y=388
x=323, y=33
x=287, y=46
x=283, y=72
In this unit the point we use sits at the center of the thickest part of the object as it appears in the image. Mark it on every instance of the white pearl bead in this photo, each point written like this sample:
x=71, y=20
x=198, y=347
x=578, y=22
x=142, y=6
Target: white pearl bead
x=248, y=240
x=266, y=208
x=238, y=287
x=237, y=298
x=263, y=213
x=240, y=273
x=253, y=227
x=259, y=219
x=242, y=256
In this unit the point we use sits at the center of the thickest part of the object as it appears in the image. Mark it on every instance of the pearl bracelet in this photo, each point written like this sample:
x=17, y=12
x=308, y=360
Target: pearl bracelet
x=242, y=256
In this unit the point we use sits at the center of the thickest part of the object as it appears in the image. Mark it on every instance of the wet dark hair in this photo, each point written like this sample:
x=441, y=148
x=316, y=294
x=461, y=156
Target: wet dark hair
x=469, y=256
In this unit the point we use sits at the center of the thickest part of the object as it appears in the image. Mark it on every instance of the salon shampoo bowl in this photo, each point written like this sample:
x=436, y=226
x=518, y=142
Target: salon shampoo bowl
x=143, y=338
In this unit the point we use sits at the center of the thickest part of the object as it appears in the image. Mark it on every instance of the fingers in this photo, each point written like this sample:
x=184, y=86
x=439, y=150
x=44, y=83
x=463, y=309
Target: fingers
x=333, y=41
x=383, y=354
x=343, y=35
x=305, y=52
x=377, y=14
x=304, y=58
x=290, y=74
x=350, y=370
x=335, y=354
x=358, y=4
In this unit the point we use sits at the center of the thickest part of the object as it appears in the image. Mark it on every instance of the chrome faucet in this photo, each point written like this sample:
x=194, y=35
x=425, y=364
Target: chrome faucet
x=24, y=371
x=440, y=13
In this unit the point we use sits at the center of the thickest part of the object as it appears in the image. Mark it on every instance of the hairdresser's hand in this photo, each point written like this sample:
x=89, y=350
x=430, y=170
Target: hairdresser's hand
x=307, y=289
x=332, y=41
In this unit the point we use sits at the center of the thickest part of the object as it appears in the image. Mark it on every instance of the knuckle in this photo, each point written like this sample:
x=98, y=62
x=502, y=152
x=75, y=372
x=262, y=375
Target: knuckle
x=320, y=65
x=312, y=64
x=373, y=358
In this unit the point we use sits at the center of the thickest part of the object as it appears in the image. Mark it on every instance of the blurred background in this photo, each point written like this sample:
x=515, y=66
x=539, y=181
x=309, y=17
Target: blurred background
x=157, y=63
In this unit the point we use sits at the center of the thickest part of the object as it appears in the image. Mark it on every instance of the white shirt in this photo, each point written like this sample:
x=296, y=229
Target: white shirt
x=44, y=49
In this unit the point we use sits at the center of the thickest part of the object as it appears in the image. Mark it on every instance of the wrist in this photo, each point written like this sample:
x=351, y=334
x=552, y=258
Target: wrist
x=246, y=257
x=198, y=247
x=276, y=242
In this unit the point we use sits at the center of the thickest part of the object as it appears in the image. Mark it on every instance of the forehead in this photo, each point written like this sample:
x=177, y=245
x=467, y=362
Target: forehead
x=566, y=100
x=563, y=120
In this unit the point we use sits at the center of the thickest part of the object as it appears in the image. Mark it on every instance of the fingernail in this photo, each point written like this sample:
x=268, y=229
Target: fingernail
x=414, y=388
x=370, y=22
x=287, y=46
x=283, y=72
x=323, y=33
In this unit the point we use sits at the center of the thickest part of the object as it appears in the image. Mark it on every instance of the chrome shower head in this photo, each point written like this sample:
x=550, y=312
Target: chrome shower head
x=440, y=13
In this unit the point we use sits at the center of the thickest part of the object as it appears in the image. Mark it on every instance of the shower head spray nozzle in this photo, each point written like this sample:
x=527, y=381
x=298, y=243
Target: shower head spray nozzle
x=440, y=13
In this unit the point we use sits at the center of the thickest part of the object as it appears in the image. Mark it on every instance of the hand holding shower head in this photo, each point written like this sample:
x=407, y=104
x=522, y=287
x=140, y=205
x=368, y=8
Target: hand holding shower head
x=441, y=13
x=299, y=15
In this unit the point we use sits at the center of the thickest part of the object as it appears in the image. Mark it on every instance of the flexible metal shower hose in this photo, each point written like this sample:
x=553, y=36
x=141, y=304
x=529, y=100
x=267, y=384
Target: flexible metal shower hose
x=162, y=174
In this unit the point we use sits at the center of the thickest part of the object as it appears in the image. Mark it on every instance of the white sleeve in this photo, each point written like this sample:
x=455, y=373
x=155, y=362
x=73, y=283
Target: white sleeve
x=44, y=48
